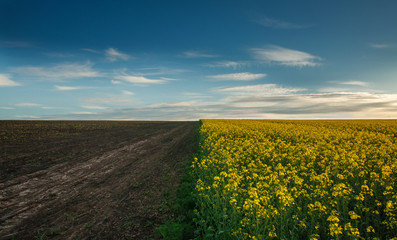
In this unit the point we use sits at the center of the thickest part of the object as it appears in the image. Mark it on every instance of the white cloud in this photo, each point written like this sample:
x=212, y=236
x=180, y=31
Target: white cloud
x=28, y=116
x=94, y=107
x=125, y=92
x=244, y=76
x=227, y=64
x=258, y=90
x=90, y=50
x=273, y=23
x=115, y=82
x=83, y=113
x=160, y=71
x=285, y=56
x=197, y=54
x=5, y=81
x=57, y=72
x=168, y=79
x=332, y=89
x=140, y=79
x=68, y=88
x=6, y=108
x=354, y=83
x=28, y=105
x=174, y=104
x=377, y=45
x=115, y=100
x=114, y=55
x=280, y=104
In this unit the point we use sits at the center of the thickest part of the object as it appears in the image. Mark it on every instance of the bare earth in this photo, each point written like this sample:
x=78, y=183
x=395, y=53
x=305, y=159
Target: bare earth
x=95, y=186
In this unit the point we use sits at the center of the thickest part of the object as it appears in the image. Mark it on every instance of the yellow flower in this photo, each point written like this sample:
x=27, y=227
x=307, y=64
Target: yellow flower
x=370, y=229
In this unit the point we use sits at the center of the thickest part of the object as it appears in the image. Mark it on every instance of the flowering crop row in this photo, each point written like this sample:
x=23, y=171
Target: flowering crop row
x=268, y=179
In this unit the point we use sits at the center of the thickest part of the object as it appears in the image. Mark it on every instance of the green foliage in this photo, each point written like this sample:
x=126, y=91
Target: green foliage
x=171, y=231
x=182, y=227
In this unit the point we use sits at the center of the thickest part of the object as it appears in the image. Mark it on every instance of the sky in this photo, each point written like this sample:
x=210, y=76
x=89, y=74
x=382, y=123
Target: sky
x=188, y=60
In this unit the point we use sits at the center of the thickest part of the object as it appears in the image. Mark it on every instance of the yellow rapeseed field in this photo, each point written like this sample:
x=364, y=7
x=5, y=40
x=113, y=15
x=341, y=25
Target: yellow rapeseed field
x=278, y=179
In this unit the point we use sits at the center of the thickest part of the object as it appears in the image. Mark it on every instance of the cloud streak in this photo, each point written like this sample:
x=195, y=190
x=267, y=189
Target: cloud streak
x=139, y=80
x=28, y=105
x=354, y=83
x=243, y=76
x=113, y=55
x=284, y=56
x=111, y=100
x=281, y=105
x=197, y=54
x=273, y=23
x=94, y=107
x=379, y=45
x=14, y=44
x=58, y=72
x=68, y=88
x=228, y=64
x=258, y=90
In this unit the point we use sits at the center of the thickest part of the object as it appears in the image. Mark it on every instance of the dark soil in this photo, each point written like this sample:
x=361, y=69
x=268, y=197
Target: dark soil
x=102, y=180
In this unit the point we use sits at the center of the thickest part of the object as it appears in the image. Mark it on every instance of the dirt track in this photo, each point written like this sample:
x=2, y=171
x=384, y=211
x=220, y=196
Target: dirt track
x=120, y=193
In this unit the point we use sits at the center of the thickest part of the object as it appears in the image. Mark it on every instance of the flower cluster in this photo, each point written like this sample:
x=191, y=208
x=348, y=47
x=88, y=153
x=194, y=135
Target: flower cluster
x=268, y=179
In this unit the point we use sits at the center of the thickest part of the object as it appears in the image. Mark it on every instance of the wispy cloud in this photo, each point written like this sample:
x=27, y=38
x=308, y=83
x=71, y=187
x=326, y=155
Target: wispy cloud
x=28, y=116
x=197, y=54
x=348, y=104
x=94, y=107
x=111, y=100
x=58, y=55
x=15, y=44
x=116, y=82
x=91, y=50
x=332, y=90
x=274, y=23
x=354, y=83
x=280, y=104
x=28, y=105
x=194, y=95
x=243, y=76
x=5, y=81
x=228, y=64
x=140, y=79
x=379, y=45
x=258, y=89
x=83, y=113
x=68, y=88
x=153, y=71
x=34, y=105
x=285, y=56
x=58, y=72
x=6, y=108
x=174, y=104
x=125, y=92
x=113, y=55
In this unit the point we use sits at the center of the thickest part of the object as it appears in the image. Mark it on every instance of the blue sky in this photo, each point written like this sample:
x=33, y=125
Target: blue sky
x=186, y=60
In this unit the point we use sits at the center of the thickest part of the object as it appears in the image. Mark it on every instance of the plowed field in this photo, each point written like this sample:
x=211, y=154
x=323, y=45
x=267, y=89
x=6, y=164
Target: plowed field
x=89, y=180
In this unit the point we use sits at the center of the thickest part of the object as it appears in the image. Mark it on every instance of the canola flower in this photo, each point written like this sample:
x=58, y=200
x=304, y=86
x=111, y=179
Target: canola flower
x=268, y=179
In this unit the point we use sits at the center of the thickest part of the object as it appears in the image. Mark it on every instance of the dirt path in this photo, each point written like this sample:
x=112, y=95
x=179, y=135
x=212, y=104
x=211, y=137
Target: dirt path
x=118, y=194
